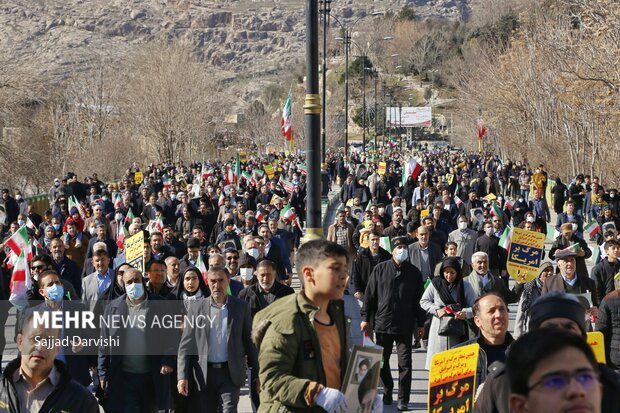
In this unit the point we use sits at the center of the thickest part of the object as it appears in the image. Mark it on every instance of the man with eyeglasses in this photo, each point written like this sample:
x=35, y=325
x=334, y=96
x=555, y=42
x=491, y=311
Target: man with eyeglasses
x=38, y=265
x=551, y=370
x=232, y=261
x=559, y=311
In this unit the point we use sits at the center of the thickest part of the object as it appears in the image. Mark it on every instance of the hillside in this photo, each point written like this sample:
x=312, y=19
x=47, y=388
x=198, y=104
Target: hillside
x=253, y=37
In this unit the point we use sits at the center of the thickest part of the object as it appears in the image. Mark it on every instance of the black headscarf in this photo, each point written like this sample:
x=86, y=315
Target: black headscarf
x=444, y=287
x=179, y=288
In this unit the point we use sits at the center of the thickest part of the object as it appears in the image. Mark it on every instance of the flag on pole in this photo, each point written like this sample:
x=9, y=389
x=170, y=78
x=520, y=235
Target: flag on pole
x=118, y=199
x=157, y=225
x=592, y=228
x=202, y=268
x=220, y=201
x=506, y=238
x=596, y=252
x=259, y=215
x=303, y=168
x=508, y=204
x=552, y=233
x=575, y=248
x=122, y=236
x=457, y=200
x=496, y=210
x=19, y=241
x=287, y=185
x=287, y=117
x=412, y=169
x=237, y=169
x=20, y=282
x=130, y=216
x=73, y=202
x=288, y=212
x=30, y=224
x=247, y=177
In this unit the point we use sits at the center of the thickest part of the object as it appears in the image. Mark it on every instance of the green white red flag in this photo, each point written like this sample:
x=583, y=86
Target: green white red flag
x=496, y=210
x=506, y=238
x=287, y=117
x=592, y=228
x=19, y=242
x=202, y=268
x=123, y=234
x=20, y=282
x=288, y=212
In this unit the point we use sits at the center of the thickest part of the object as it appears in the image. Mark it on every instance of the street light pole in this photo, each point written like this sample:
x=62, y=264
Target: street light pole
x=400, y=124
x=325, y=11
x=347, y=42
x=376, y=76
x=364, y=103
x=312, y=114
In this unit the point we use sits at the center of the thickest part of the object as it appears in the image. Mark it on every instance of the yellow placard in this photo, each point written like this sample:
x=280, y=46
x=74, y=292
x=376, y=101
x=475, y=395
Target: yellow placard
x=269, y=170
x=134, y=251
x=138, y=177
x=490, y=197
x=525, y=254
x=243, y=156
x=382, y=168
x=452, y=379
x=596, y=340
x=425, y=212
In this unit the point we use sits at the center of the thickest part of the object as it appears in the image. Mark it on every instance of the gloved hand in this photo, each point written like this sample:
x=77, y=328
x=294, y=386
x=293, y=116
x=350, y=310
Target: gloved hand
x=331, y=400
x=377, y=405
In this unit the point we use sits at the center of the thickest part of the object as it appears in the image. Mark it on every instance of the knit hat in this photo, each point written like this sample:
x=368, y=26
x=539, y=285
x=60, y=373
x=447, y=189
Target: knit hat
x=73, y=211
x=557, y=304
x=543, y=266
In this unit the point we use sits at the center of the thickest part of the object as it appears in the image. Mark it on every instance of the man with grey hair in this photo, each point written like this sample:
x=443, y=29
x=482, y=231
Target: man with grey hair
x=484, y=282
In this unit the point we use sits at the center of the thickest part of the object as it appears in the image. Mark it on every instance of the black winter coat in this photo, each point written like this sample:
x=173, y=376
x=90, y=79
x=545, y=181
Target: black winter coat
x=392, y=298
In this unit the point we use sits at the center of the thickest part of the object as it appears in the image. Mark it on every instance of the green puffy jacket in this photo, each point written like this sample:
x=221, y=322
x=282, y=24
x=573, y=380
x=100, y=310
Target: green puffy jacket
x=290, y=354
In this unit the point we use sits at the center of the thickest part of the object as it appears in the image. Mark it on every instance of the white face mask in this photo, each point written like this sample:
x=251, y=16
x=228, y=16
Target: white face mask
x=574, y=226
x=246, y=273
x=462, y=225
x=92, y=230
x=254, y=253
x=489, y=231
x=520, y=199
x=530, y=219
x=401, y=254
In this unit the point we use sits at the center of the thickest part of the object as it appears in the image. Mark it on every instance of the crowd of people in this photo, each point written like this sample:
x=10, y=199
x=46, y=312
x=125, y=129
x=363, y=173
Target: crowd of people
x=416, y=242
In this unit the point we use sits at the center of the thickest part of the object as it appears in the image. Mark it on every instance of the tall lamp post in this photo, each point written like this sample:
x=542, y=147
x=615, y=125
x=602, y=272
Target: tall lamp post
x=312, y=115
x=325, y=9
x=346, y=41
x=400, y=124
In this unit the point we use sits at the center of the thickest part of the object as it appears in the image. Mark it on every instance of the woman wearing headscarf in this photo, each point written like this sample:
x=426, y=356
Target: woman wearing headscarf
x=447, y=296
x=190, y=287
x=531, y=291
x=46, y=239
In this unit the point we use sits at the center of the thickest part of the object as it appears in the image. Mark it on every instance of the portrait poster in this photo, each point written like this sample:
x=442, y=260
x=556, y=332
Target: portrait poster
x=452, y=380
x=362, y=378
x=525, y=254
x=134, y=251
x=382, y=168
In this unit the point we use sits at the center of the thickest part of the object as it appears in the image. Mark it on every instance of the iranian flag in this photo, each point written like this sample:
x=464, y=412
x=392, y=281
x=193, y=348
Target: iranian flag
x=130, y=216
x=457, y=200
x=288, y=212
x=412, y=169
x=592, y=228
x=287, y=117
x=30, y=224
x=157, y=225
x=220, y=201
x=506, y=238
x=118, y=199
x=496, y=210
x=575, y=248
x=19, y=242
x=122, y=236
x=552, y=233
x=202, y=268
x=196, y=190
x=73, y=202
x=287, y=185
x=508, y=204
x=259, y=216
x=167, y=184
x=246, y=176
x=237, y=169
x=20, y=282
x=303, y=168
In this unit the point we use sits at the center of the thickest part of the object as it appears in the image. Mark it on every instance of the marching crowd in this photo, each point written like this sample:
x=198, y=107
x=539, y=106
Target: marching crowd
x=417, y=242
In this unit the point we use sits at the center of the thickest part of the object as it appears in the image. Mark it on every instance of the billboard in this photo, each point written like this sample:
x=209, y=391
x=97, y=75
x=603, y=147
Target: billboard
x=420, y=117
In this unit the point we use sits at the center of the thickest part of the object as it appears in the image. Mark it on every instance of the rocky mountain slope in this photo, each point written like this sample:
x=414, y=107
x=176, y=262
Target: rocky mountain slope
x=249, y=36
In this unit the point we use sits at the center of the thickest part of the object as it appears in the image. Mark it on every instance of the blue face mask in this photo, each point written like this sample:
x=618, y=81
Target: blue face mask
x=401, y=254
x=57, y=227
x=134, y=291
x=21, y=222
x=55, y=293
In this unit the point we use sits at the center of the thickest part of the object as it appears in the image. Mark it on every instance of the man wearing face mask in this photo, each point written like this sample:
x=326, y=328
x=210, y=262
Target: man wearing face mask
x=52, y=290
x=568, y=238
x=392, y=299
x=519, y=211
x=38, y=265
x=465, y=239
